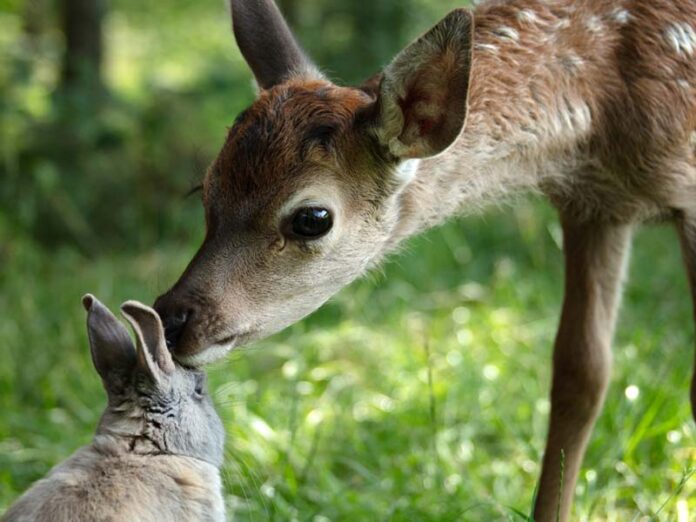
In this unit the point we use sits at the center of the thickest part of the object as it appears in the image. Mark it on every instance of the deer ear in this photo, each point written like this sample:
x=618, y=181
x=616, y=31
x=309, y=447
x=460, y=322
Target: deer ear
x=113, y=353
x=267, y=43
x=152, y=353
x=423, y=97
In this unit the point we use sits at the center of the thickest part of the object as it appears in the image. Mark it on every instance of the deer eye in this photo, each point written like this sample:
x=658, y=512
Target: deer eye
x=311, y=222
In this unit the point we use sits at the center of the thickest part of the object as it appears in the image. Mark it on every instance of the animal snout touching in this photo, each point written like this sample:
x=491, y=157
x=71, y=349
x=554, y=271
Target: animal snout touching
x=174, y=319
x=174, y=326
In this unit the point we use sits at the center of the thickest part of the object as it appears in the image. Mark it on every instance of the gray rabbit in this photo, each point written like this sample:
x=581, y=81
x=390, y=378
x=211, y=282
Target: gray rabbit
x=158, y=447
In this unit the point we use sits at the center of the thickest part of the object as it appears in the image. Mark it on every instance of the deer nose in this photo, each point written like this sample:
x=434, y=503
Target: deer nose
x=174, y=325
x=174, y=321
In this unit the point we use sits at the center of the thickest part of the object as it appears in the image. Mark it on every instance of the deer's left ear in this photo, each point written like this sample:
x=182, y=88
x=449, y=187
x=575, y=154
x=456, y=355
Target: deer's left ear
x=423, y=96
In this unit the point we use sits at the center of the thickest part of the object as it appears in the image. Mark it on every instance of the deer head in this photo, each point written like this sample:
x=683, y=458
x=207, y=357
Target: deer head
x=305, y=193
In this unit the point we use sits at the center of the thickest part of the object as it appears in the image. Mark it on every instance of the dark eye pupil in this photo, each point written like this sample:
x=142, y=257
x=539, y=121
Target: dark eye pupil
x=311, y=222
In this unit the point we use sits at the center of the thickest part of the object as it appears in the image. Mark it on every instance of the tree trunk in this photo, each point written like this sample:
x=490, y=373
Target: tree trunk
x=82, y=27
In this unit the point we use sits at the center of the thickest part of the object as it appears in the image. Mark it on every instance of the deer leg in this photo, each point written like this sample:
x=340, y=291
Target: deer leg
x=686, y=224
x=595, y=256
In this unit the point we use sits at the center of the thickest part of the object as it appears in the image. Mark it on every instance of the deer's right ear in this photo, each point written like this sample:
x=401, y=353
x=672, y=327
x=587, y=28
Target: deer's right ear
x=423, y=97
x=113, y=352
x=267, y=43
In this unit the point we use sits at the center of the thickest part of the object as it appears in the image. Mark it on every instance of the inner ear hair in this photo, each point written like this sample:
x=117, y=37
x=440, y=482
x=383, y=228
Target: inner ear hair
x=152, y=350
x=424, y=94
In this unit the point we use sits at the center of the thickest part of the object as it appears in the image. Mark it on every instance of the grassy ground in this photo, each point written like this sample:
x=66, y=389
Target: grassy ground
x=418, y=393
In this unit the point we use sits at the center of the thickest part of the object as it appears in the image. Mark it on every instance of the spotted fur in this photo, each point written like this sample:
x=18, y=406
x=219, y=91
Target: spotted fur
x=590, y=102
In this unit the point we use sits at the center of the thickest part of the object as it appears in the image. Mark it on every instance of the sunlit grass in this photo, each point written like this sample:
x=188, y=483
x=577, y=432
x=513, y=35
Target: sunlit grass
x=418, y=393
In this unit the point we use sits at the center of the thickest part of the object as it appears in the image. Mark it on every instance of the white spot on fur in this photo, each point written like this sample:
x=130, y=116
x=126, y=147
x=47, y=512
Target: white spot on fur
x=407, y=170
x=574, y=117
x=582, y=117
x=571, y=61
x=561, y=24
x=682, y=37
x=594, y=24
x=507, y=32
x=683, y=84
x=527, y=16
x=487, y=47
x=621, y=15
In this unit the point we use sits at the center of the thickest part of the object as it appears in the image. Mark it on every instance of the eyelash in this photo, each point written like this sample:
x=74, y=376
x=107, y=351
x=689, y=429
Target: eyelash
x=194, y=190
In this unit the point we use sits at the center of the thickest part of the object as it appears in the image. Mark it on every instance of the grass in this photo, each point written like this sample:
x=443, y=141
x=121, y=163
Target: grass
x=418, y=393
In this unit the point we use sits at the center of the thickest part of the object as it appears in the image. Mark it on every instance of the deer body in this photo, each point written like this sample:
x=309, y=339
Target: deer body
x=551, y=109
x=590, y=102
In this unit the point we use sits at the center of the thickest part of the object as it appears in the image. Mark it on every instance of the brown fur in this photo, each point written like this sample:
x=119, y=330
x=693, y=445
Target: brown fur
x=285, y=123
x=592, y=102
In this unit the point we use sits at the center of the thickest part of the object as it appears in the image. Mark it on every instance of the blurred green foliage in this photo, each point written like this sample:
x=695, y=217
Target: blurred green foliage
x=112, y=172
x=333, y=419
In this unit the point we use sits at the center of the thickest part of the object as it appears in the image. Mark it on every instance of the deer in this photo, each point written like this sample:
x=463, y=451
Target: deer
x=591, y=103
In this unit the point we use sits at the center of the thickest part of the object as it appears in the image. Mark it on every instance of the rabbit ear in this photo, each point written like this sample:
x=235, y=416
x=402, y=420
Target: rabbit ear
x=113, y=353
x=153, y=355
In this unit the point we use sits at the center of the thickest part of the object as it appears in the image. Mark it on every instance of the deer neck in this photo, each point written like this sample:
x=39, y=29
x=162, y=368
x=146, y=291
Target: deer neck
x=531, y=109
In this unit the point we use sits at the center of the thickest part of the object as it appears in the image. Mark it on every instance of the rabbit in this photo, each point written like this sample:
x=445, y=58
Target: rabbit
x=159, y=445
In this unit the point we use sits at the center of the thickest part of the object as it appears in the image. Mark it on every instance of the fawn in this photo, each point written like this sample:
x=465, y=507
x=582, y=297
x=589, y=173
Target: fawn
x=591, y=102
x=159, y=445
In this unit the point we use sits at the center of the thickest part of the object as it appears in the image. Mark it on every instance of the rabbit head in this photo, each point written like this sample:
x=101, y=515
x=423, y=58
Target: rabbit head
x=156, y=405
